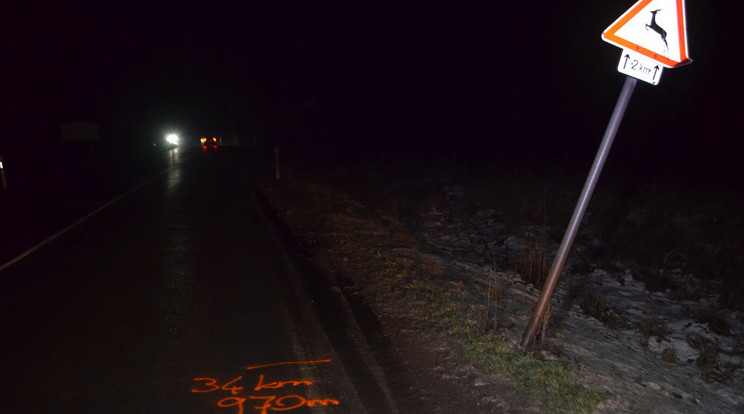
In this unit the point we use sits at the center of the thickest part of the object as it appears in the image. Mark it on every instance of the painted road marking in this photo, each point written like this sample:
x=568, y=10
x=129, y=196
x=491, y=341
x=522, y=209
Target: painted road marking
x=85, y=218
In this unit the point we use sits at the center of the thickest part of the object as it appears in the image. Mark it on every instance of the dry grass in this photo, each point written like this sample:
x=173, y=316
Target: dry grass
x=710, y=363
x=700, y=233
x=653, y=326
x=493, y=299
x=396, y=273
x=533, y=263
x=592, y=302
x=669, y=355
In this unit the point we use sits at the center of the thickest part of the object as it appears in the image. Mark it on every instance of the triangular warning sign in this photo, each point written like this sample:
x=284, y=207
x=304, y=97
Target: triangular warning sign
x=655, y=29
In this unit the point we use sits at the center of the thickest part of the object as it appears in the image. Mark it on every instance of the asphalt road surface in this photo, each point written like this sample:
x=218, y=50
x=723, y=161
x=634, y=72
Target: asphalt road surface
x=173, y=298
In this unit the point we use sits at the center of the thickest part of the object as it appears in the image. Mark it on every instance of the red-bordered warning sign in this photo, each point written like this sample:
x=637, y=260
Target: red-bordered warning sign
x=655, y=29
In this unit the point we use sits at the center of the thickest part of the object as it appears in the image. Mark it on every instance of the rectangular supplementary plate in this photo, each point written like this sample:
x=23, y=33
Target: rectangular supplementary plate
x=640, y=67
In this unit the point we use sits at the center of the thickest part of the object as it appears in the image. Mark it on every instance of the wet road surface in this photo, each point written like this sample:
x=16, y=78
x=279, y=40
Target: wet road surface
x=176, y=298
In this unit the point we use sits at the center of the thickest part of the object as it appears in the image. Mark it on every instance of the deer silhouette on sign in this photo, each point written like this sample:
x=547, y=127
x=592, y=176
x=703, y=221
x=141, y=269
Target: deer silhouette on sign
x=656, y=28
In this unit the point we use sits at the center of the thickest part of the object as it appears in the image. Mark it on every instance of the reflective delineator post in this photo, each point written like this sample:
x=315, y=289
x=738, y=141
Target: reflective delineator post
x=578, y=214
x=3, y=181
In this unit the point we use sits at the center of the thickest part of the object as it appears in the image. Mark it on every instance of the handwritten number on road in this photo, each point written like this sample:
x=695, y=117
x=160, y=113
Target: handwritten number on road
x=232, y=402
x=209, y=382
x=210, y=385
x=269, y=402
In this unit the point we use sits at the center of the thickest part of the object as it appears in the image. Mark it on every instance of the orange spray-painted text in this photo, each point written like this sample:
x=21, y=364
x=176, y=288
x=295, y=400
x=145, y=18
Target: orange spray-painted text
x=267, y=403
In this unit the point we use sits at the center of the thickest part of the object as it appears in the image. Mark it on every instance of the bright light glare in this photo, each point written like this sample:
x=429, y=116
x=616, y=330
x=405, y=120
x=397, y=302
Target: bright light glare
x=172, y=139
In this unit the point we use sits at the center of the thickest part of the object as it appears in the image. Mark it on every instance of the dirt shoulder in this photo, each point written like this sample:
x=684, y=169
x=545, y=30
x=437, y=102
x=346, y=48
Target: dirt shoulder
x=444, y=314
x=380, y=268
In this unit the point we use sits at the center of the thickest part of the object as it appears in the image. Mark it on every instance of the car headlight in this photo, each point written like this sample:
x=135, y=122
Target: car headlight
x=172, y=139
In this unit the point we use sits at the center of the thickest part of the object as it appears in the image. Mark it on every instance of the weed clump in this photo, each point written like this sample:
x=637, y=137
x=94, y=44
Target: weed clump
x=669, y=355
x=593, y=303
x=533, y=263
x=708, y=361
x=653, y=326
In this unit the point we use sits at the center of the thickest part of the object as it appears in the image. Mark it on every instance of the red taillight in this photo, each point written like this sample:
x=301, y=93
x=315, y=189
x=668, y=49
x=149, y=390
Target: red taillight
x=203, y=140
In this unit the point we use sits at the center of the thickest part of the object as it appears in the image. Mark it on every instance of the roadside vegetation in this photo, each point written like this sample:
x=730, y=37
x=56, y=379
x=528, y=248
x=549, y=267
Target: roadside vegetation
x=372, y=247
x=361, y=222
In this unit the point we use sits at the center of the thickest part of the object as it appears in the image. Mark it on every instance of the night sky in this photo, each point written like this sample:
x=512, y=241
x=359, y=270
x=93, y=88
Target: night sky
x=468, y=81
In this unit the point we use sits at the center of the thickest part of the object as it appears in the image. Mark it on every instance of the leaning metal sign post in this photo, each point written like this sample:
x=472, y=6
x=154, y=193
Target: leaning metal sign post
x=652, y=35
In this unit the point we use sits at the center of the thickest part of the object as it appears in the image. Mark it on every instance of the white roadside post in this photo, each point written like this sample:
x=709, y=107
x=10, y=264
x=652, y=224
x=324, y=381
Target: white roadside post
x=642, y=32
x=2, y=174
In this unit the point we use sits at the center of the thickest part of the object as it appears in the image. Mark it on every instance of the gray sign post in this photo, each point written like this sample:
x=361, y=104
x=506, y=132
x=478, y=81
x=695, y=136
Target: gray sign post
x=578, y=214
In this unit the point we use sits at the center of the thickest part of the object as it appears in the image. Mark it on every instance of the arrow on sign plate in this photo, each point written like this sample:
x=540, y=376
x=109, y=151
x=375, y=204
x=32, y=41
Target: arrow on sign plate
x=640, y=67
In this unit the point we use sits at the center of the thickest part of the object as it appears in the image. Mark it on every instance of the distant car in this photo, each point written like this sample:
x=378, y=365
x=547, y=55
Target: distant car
x=209, y=143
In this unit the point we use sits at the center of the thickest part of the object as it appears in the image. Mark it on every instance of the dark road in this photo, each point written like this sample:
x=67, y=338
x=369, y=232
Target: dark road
x=174, y=299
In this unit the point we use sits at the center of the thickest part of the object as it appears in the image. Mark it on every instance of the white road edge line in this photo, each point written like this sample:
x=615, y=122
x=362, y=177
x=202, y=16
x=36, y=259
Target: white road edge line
x=80, y=221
